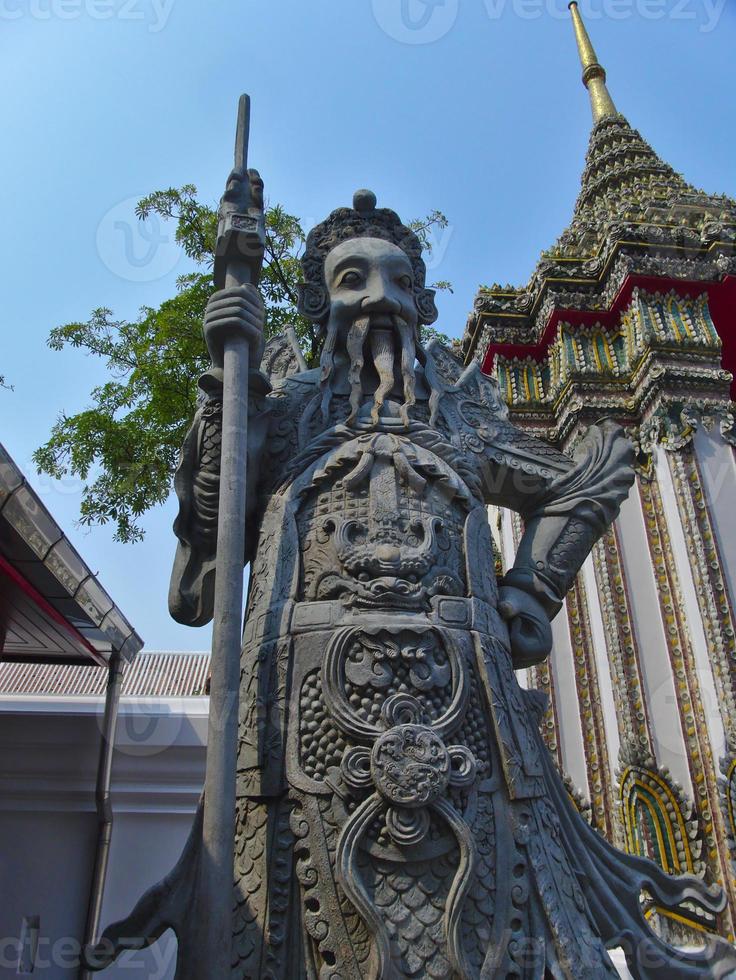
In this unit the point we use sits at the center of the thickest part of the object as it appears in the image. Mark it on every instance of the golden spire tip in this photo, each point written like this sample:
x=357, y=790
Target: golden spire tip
x=594, y=74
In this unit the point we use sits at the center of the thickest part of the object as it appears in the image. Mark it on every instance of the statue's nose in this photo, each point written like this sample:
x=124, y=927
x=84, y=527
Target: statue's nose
x=379, y=298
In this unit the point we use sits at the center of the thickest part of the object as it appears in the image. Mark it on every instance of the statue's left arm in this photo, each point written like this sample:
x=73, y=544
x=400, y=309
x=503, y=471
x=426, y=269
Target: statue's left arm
x=566, y=503
x=563, y=519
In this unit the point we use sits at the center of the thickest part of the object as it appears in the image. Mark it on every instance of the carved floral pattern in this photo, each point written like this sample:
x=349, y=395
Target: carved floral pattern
x=401, y=760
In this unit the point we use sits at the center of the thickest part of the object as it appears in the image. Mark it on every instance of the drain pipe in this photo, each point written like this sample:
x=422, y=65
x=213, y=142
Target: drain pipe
x=103, y=805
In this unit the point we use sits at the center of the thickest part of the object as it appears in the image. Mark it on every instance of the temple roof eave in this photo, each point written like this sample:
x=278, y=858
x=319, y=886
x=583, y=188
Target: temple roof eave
x=520, y=315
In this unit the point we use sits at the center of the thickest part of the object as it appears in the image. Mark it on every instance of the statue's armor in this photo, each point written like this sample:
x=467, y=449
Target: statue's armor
x=398, y=814
x=389, y=769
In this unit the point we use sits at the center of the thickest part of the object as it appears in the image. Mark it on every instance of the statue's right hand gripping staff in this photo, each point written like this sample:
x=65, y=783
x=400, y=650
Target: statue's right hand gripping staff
x=236, y=309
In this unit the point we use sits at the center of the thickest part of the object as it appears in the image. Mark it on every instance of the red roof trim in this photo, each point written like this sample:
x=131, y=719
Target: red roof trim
x=45, y=606
x=721, y=301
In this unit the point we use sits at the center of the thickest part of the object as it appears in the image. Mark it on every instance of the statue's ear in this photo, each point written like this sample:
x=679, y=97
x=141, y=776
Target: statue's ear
x=426, y=306
x=313, y=301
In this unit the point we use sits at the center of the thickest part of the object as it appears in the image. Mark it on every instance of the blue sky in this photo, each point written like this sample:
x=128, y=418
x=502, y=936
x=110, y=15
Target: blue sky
x=474, y=107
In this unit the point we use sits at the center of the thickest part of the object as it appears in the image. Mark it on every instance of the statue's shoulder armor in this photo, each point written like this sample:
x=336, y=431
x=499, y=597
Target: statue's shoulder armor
x=476, y=414
x=285, y=407
x=279, y=359
x=468, y=395
x=288, y=384
x=471, y=405
x=448, y=367
x=297, y=387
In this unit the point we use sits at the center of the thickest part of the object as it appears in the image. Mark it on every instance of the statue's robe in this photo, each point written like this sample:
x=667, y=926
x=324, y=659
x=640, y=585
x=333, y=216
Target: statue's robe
x=398, y=813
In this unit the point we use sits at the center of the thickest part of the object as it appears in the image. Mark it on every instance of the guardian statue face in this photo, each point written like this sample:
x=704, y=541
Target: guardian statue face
x=369, y=278
x=372, y=321
x=365, y=287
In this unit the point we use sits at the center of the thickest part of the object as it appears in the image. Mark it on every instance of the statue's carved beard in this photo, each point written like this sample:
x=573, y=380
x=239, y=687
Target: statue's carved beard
x=380, y=344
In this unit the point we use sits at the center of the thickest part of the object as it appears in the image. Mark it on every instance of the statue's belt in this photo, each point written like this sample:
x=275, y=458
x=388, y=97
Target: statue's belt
x=449, y=612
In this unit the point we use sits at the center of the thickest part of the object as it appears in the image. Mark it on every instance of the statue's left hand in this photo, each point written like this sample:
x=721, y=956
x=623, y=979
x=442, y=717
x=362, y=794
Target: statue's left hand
x=529, y=628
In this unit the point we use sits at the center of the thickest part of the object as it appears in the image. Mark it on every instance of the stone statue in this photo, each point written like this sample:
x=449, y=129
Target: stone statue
x=398, y=814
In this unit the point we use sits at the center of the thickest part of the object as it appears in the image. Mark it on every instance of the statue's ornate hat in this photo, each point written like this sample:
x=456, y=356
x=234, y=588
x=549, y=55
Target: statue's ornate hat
x=363, y=220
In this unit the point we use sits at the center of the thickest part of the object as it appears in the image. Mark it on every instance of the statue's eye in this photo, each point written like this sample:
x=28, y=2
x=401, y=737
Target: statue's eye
x=405, y=282
x=351, y=278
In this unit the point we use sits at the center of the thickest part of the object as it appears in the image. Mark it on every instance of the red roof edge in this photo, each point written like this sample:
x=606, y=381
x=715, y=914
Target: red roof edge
x=48, y=610
x=721, y=302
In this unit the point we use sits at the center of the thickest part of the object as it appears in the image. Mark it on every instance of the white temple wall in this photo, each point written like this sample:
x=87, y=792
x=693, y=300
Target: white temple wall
x=502, y=529
x=605, y=683
x=689, y=597
x=505, y=539
x=717, y=466
x=49, y=748
x=562, y=668
x=659, y=686
x=570, y=733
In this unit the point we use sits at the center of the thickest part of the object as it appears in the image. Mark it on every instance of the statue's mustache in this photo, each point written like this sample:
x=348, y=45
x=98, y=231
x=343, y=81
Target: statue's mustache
x=354, y=344
x=382, y=350
x=375, y=338
x=378, y=337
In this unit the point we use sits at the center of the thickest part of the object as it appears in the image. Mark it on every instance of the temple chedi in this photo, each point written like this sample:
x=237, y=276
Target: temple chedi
x=632, y=315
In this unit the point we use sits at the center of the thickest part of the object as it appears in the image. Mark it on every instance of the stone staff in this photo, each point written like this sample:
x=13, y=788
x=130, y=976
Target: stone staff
x=238, y=259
